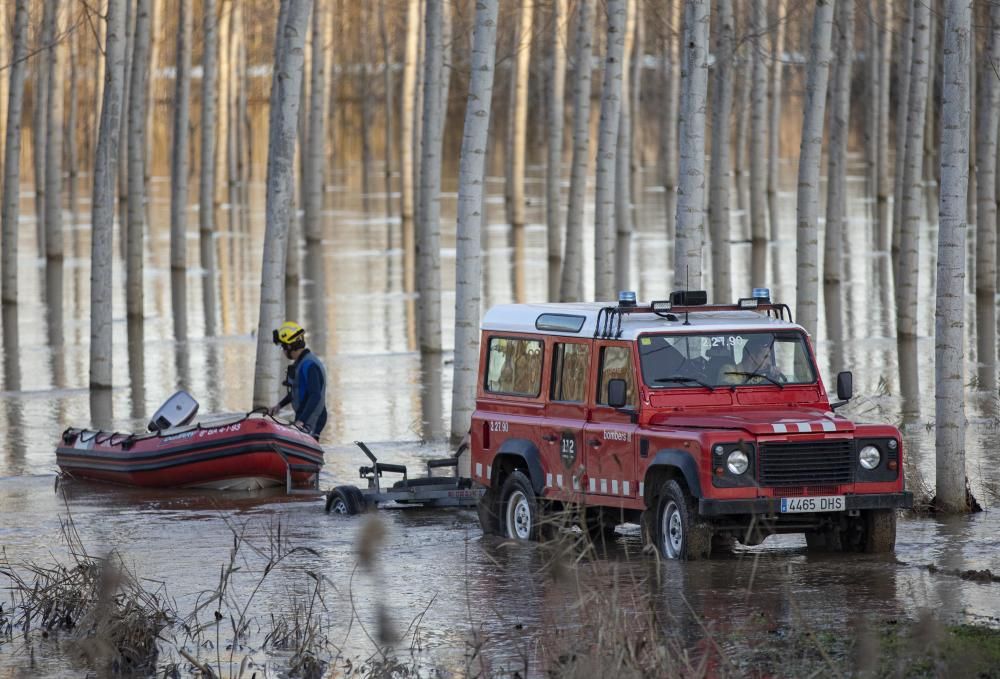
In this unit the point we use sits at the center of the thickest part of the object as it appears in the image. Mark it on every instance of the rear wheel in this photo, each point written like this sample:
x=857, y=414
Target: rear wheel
x=678, y=534
x=520, y=508
x=346, y=500
x=826, y=540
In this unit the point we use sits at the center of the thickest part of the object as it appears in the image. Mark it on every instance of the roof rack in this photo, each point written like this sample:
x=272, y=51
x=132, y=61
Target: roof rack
x=609, y=318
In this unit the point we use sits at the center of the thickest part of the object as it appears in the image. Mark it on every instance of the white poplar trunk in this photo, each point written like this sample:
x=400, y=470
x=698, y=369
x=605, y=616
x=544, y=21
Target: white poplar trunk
x=607, y=149
x=407, y=139
x=556, y=121
x=12, y=156
x=904, y=68
x=286, y=92
x=72, y=150
x=720, y=167
x=774, y=130
x=54, y=140
x=758, y=167
x=836, y=195
x=986, y=213
x=471, y=181
x=623, y=161
x=690, y=234
x=123, y=133
x=136, y=161
x=388, y=107
x=224, y=113
x=668, y=121
x=206, y=188
x=807, y=205
x=571, y=282
x=366, y=104
x=315, y=148
x=883, y=227
x=4, y=82
x=157, y=35
x=428, y=275
x=636, y=148
x=519, y=137
x=949, y=318
x=40, y=113
x=103, y=198
x=930, y=113
x=179, y=142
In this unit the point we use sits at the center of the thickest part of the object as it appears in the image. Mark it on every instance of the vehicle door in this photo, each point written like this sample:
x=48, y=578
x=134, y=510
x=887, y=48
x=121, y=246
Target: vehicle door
x=609, y=433
x=566, y=414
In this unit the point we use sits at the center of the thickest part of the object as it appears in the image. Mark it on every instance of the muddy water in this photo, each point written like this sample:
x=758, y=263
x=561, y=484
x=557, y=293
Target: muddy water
x=435, y=567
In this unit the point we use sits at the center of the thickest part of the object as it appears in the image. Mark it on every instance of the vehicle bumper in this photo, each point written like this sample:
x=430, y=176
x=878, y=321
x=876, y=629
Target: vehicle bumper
x=772, y=505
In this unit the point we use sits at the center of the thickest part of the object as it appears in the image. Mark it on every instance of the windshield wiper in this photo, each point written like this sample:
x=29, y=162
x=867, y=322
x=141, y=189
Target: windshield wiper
x=749, y=375
x=678, y=378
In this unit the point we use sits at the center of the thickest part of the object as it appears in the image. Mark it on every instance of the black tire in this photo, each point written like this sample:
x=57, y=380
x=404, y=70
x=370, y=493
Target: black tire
x=826, y=540
x=519, y=514
x=345, y=500
x=489, y=515
x=678, y=533
x=880, y=531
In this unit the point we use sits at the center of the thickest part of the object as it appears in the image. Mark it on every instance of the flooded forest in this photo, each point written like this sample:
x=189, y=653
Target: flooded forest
x=181, y=177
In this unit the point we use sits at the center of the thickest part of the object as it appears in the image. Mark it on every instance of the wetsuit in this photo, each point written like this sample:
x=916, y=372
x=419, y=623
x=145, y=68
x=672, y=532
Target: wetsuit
x=307, y=392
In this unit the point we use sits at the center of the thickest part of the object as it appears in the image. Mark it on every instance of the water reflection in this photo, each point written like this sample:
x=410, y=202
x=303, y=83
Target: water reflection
x=431, y=406
x=137, y=368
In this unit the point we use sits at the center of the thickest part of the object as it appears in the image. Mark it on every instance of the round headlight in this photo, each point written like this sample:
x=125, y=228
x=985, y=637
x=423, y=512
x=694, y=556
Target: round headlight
x=869, y=457
x=737, y=462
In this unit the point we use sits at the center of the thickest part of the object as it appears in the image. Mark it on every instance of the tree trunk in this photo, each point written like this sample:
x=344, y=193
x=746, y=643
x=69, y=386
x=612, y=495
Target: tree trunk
x=571, y=283
x=103, y=198
x=884, y=233
x=224, y=111
x=12, y=154
x=607, y=148
x=407, y=139
x=519, y=114
x=156, y=35
x=690, y=235
x=136, y=162
x=743, y=78
x=774, y=131
x=836, y=197
x=758, y=169
x=40, y=113
x=123, y=134
x=986, y=213
x=314, y=150
x=635, y=142
x=556, y=120
x=72, y=152
x=471, y=180
x=3, y=81
x=206, y=189
x=286, y=91
x=366, y=105
x=973, y=189
x=179, y=143
x=54, y=141
x=902, y=133
x=623, y=162
x=807, y=206
x=668, y=121
x=429, y=216
x=930, y=117
x=388, y=107
x=949, y=318
x=720, y=168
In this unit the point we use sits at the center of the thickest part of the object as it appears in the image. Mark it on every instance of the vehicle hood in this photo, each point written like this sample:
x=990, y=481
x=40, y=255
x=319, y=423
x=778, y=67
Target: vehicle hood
x=759, y=422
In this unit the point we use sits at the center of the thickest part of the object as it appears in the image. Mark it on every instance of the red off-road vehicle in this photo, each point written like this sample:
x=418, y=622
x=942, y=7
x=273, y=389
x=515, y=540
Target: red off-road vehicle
x=702, y=423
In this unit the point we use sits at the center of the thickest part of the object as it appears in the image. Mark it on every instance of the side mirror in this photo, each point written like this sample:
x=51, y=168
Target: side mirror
x=845, y=385
x=617, y=393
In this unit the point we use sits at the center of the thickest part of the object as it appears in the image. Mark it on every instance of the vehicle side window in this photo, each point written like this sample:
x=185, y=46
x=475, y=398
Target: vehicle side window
x=570, y=364
x=616, y=363
x=514, y=366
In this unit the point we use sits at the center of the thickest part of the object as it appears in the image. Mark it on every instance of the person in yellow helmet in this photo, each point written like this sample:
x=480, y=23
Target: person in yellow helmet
x=306, y=379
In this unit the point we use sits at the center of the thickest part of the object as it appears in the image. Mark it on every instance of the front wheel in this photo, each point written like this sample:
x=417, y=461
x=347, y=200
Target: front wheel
x=519, y=505
x=678, y=534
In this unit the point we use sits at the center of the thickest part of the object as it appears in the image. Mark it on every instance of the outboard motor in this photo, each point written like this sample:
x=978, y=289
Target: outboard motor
x=177, y=411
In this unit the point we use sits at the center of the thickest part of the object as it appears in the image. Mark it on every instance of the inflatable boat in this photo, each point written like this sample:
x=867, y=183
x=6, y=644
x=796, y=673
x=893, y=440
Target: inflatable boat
x=244, y=452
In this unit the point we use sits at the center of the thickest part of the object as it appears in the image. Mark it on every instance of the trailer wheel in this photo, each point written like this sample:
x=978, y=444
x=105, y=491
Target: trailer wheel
x=520, y=508
x=344, y=500
x=678, y=533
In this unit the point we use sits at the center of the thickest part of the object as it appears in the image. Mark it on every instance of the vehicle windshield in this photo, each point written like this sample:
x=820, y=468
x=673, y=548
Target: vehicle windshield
x=730, y=359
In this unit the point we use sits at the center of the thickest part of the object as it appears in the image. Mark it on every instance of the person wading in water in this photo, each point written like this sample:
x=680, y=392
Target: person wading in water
x=306, y=380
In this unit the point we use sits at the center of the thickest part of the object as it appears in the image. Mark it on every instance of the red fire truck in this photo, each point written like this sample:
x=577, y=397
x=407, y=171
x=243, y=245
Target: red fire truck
x=703, y=423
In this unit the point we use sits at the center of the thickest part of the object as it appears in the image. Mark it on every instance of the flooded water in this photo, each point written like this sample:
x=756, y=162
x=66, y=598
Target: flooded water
x=438, y=579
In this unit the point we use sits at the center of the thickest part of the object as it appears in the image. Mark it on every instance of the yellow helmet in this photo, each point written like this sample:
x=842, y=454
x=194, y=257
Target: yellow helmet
x=290, y=335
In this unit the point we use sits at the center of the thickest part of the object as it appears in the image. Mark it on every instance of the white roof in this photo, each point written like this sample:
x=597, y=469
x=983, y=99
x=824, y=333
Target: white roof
x=521, y=318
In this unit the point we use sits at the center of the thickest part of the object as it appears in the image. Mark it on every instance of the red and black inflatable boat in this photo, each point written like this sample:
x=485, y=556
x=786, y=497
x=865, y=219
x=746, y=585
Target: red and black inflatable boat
x=242, y=453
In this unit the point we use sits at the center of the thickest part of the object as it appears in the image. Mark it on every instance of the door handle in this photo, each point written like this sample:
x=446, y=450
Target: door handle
x=594, y=443
x=550, y=438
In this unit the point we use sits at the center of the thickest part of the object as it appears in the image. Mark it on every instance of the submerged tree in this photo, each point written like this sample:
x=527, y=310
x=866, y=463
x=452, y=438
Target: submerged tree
x=607, y=148
x=54, y=137
x=471, y=180
x=407, y=171
x=690, y=232
x=206, y=187
x=949, y=322
x=103, y=198
x=179, y=157
x=286, y=92
x=718, y=188
x=807, y=208
x=12, y=154
x=668, y=121
x=758, y=168
x=774, y=129
x=628, y=124
x=136, y=212
x=556, y=115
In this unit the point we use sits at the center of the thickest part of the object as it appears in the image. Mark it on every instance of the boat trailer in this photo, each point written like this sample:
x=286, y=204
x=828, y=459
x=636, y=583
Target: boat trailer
x=423, y=491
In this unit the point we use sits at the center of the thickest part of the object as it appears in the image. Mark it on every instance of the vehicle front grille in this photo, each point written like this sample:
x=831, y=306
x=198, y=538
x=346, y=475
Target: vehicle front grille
x=807, y=463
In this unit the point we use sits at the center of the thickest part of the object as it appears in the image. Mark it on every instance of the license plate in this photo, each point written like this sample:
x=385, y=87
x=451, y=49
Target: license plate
x=823, y=503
